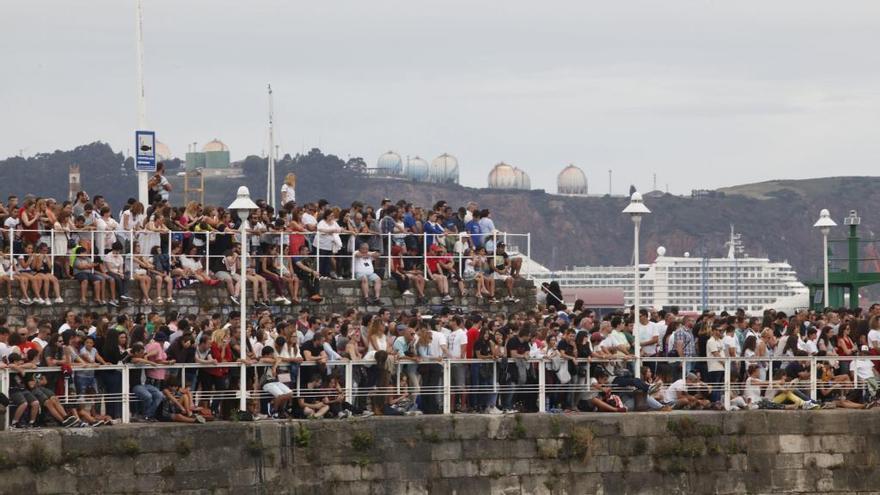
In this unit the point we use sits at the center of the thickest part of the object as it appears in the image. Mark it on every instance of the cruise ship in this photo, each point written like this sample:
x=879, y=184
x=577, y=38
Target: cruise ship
x=695, y=284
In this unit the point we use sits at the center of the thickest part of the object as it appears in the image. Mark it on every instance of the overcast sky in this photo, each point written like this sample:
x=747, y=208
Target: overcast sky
x=704, y=94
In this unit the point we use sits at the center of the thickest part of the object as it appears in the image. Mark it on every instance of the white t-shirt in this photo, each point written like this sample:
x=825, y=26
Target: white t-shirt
x=160, y=188
x=752, y=391
x=874, y=339
x=308, y=219
x=862, y=368
x=288, y=194
x=729, y=342
x=648, y=332
x=438, y=341
x=712, y=346
x=811, y=347
x=673, y=389
x=363, y=265
x=4, y=350
x=457, y=339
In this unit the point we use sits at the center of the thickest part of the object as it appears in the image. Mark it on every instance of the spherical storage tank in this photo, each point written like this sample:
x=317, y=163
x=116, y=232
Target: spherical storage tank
x=390, y=163
x=444, y=169
x=417, y=169
x=504, y=176
x=216, y=154
x=572, y=180
x=163, y=152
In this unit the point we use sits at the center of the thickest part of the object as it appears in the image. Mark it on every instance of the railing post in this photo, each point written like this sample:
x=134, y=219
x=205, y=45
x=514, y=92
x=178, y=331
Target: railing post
x=542, y=385
x=727, y=383
x=126, y=400
x=529, y=254
x=318, y=252
x=684, y=367
x=12, y=255
x=349, y=387
x=855, y=375
x=242, y=384
x=52, y=250
x=4, y=387
x=388, y=256
x=447, y=387
x=813, y=377
x=461, y=259
x=131, y=255
x=425, y=255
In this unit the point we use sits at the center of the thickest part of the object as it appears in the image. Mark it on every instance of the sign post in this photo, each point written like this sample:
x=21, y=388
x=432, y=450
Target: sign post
x=145, y=155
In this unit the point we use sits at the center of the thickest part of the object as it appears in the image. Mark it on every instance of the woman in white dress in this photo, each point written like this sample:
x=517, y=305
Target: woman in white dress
x=288, y=189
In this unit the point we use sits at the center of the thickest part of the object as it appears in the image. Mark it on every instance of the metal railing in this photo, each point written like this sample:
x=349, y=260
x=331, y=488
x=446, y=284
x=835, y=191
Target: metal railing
x=166, y=239
x=444, y=388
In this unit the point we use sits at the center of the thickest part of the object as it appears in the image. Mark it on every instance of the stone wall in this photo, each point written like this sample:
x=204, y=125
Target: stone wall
x=339, y=295
x=647, y=453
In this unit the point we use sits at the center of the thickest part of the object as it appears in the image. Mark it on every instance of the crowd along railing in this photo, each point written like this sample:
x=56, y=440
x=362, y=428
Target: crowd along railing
x=460, y=247
x=248, y=389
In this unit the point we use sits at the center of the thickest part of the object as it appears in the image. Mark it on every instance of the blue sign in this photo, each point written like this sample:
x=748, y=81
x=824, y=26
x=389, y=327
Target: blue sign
x=145, y=155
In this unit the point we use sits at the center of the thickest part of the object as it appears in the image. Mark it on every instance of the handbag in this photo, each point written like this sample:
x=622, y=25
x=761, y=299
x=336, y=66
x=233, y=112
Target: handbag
x=563, y=375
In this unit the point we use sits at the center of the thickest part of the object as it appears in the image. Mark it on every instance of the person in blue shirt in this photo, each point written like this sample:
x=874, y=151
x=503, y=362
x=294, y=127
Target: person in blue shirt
x=474, y=230
x=432, y=229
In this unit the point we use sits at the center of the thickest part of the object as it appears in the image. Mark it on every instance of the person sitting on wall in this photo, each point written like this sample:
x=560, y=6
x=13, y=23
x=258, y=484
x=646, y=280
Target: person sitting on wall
x=364, y=272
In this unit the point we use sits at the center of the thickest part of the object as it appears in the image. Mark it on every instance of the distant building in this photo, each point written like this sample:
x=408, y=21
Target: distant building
x=214, y=155
x=444, y=169
x=73, y=181
x=417, y=169
x=389, y=164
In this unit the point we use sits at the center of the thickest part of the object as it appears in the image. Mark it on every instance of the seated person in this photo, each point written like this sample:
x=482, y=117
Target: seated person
x=364, y=272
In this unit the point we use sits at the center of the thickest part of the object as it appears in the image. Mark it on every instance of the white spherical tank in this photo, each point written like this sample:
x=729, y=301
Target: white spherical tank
x=417, y=169
x=214, y=145
x=572, y=181
x=522, y=180
x=502, y=176
x=390, y=163
x=444, y=169
x=163, y=152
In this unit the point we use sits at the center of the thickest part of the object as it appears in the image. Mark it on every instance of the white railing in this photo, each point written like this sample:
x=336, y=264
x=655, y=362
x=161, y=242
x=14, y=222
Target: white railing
x=166, y=239
x=444, y=388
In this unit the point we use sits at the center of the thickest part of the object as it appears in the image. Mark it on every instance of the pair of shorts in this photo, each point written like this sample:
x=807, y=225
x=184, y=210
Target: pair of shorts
x=371, y=277
x=501, y=276
x=88, y=276
x=19, y=397
x=224, y=276
x=277, y=389
x=42, y=394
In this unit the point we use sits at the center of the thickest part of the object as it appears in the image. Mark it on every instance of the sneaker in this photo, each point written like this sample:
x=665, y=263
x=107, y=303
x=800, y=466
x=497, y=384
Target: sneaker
x=18, y=426
x=342, y=415
x=809, y=405
x=279, y=300
x=47, y=302
x=447, y=298
x=199, y=419
x=234, y=300
x=494, y=410
x=123, y=298
x=58, y=300
x=25, y=301
x=69, y=422
x=366, y=414
x=492, y=300
x=508, y=411
x=112, y=302
x=38, y=300
x=286, y=301
x=406, y=293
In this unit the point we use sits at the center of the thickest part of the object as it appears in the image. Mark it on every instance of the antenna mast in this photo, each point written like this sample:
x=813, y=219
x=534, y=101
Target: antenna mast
x=270, y=176
x=142, y=100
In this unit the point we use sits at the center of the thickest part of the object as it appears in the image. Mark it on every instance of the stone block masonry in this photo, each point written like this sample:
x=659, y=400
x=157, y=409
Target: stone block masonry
x=675, y=453
x=339, y=295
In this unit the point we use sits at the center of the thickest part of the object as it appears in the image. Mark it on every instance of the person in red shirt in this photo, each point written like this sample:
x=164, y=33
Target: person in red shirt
x=442, y=271
x=473, y=333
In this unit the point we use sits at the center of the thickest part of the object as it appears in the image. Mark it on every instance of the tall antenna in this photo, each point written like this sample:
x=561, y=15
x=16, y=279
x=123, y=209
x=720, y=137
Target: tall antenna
x=142, y=99
x=655, y=182
x=609, y=182
x=270, y=176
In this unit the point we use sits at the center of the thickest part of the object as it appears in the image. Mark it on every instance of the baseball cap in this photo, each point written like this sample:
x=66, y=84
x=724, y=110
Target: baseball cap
x=864, y=348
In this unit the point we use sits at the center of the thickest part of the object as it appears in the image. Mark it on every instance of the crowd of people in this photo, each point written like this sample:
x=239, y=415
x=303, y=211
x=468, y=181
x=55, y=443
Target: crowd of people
x=160, y=247
x=295, y=367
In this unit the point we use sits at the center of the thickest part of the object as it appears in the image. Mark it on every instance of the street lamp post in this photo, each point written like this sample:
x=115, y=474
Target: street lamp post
x=243, y=205
x=635, y=209
x=824, y=223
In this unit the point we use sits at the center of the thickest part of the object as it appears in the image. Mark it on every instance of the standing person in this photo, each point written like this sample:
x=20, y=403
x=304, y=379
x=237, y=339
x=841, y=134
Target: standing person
x=517, y=366
x=429, y=348
x=288, y=189
x=685, y=345
x=715, y=367
x=159, y=187
x=458, y=345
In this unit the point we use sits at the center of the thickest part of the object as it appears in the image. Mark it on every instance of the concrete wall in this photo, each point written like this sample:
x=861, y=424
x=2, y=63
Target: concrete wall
x=649, y=453
x=339, y=295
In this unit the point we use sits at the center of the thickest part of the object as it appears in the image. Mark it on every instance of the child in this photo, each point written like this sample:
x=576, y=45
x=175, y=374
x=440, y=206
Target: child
x=178, y=405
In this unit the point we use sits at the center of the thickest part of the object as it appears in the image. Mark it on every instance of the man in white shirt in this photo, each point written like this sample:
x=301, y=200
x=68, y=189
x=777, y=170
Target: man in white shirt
x=458, y=350
x=677, y=396
x=363, y=271
x=646, y=331
x=810, y=346
x=308, y=218
x=4, y=347
x=715, y=348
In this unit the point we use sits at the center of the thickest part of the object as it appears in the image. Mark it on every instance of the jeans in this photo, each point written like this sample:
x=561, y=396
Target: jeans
x=150, y=398
x=83, y=383
x=120, y=283
x=716, y=381
x=112, y=383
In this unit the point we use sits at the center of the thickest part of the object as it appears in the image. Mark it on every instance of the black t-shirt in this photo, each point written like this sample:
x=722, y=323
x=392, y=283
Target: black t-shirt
x=567, y=349
x=515, y=344
x=135, y=375
x=314, y=349
x=483, y=347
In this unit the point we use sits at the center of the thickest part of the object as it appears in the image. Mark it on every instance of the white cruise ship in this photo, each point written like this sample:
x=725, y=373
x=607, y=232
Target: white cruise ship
x=694, y=284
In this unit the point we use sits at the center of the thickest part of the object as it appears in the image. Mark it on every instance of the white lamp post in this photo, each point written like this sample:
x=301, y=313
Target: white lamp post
x=824, y=223
x=635, y=209
x=243, y=206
